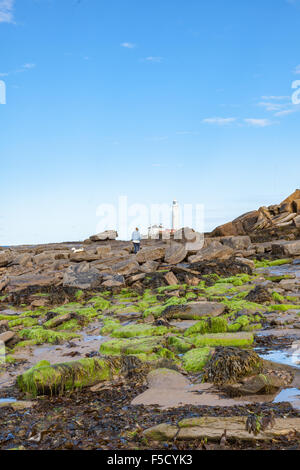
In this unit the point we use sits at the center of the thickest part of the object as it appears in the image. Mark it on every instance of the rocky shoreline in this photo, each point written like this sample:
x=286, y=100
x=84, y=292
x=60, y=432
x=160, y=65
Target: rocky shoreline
x=177, y=342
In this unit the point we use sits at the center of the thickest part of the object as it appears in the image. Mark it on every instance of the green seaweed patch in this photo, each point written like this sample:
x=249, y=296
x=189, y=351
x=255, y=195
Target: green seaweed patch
x=211, y=325
x=46, y=379
x=26, y=322
x=224, y=339
x=109, y=326
x=142, y=329
x=266, y=263
x=129, y=346
x=283, y=307
x=195, y=359
x=40, y=336
x=235, y=305
x=180, y=345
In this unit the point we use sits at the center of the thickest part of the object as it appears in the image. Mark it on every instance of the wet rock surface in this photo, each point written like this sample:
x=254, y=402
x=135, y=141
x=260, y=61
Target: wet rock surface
x=199, y=340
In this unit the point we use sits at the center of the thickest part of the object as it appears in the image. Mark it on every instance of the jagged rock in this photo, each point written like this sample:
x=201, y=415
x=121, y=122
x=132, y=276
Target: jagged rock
x=6, y=257
x=249, y=262
x=297, y=221
x=240, y=226
x=286, y=248
x=44, y=258
x=214, y=251
x=23, y=259
x=107, y=235
x=237, y=243
x=150, y=254
x=114, y=281
x=175, y=253
x=259, y=295
x=128, y=266
x=171, y=279
x=85, y=255
x=149, y=267
x=4, y=282
x=82, y=277
x=25, y=281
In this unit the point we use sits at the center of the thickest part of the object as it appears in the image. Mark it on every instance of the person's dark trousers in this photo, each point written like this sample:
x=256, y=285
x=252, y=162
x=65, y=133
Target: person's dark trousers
x=136, y=247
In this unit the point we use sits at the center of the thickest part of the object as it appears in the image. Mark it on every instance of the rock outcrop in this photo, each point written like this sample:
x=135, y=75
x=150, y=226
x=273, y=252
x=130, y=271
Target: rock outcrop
x=279, y=216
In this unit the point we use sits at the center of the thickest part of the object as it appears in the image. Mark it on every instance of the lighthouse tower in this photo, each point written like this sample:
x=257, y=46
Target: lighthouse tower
x=175, y=216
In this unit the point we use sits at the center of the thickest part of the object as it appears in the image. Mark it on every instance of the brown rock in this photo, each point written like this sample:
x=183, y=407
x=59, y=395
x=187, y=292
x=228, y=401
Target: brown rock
x=237, y=243
x=175, y=253
x=150, y=254
x=7, y=336
x=171, y=279
x=214, y=251
x=6, y=258
x=149, y=266
x=128, y=266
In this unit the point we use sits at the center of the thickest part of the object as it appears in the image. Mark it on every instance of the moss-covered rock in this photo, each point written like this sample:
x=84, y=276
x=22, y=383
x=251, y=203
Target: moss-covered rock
x=39, y=335
x=212, y=325
x=224, y=339
x=44, y=378
x=142, y=329
x=148, y=348
x=195, y=359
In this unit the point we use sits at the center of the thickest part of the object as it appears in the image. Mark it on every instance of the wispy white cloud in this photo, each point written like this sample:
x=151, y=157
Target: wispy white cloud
x=219, y=120
x=275, y=98
x=258, y=122
x=28, y=66
x=24, y=68
x=153, y=59
x=128, y=45
x=6, y=11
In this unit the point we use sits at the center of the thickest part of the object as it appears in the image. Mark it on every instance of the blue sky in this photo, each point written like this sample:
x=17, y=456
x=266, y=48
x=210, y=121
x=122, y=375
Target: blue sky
x=153, y=99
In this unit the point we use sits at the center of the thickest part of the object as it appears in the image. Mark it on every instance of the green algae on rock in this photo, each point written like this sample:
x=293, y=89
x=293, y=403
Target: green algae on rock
x=141, y=329
x=195, y=359
x=211, y=325
x=224, y=339
x=148, y=348
x=39, y=335
x=54, y=379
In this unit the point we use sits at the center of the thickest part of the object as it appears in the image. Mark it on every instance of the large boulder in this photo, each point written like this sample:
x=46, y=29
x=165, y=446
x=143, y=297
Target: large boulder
x=150, y=253
x=128, y=266
x=30, y=280
x=240, y=226
x=213, y=251
x=82, y=276
x=149, y=267
x=107, y=235
x=286, y=248
x=237, y=243
x=175, y=253
x=6, y=258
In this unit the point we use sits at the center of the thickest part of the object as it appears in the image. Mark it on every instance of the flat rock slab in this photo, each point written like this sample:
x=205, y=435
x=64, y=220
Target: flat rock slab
x=7, y=336
x=170, y=389
x=213, y=429
x=195, y=310
x=17, y=405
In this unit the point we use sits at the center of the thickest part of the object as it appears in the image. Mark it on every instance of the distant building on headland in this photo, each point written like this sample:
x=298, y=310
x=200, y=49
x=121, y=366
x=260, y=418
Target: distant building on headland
x=159, y=231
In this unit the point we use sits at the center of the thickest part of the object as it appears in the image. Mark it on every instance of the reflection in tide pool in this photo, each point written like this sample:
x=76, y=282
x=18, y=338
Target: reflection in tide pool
x=291, y=395
x=290, y=357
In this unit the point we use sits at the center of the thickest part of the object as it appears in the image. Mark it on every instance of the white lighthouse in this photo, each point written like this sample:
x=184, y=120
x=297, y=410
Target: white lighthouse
x=175, y=216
